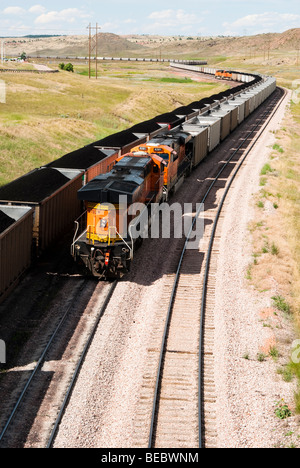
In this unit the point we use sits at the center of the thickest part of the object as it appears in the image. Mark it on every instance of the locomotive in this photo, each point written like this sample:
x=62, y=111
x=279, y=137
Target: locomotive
x=107, y=245
x=223, y=75
x=148, y=174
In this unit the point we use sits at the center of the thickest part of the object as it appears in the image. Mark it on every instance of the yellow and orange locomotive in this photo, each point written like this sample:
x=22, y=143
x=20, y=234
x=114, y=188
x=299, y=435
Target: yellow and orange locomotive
x=106, y=246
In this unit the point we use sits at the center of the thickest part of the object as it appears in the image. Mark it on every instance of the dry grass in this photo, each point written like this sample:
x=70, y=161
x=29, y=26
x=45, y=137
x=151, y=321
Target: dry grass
x=276, y=242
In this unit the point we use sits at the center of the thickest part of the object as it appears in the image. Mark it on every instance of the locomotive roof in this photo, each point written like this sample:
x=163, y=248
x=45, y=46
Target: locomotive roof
x=167, y=139
x=124, y=179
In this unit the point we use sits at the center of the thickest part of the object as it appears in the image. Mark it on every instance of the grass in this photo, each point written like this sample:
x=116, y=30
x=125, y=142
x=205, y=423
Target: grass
x=171, y=80
x=47, y=116
x=266, y=169
x=281, y=304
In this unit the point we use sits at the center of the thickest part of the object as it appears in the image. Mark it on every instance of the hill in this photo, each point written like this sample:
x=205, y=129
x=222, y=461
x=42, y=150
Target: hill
x=109, y=44
x=155, y=46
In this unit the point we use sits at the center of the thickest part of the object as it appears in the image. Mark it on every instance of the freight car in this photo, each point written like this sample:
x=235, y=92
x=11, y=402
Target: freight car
x=15, y=244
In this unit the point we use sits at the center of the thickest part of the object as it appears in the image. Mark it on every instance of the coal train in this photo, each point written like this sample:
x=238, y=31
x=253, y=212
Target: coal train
x=147, y=162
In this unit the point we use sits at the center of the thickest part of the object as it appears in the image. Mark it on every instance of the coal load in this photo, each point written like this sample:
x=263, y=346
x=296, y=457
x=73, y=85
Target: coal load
x=80, y=159
x=118, y=140
x=34, y=187
x=5, y=222
x=149, y=126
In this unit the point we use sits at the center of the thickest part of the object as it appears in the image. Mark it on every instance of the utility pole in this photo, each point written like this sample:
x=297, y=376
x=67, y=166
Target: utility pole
x=2, y=51
x=93, y=46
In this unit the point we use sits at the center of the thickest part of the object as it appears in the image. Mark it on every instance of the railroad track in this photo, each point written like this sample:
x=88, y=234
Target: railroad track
x=180, y=374
x=14, y=425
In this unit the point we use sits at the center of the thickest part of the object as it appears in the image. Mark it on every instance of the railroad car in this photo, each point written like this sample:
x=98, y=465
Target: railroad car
x=106, y=246
x=181, y=149
x=16, y=224
x=173, y=148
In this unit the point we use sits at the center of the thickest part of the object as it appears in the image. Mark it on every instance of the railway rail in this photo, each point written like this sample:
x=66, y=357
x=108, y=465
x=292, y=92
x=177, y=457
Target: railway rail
x=24, y=402
x=177, y=399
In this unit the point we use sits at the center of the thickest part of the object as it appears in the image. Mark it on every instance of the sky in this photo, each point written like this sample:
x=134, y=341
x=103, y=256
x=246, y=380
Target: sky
x=187, y=18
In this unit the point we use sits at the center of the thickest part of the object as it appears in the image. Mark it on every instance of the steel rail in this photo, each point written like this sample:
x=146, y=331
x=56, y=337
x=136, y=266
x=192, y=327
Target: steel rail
x=79, y=365
x=176, y=280
x=36, y=368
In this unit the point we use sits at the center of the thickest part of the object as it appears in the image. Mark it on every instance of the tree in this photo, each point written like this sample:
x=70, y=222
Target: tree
x=23, y=56
x=61, y=66
x=69, y=67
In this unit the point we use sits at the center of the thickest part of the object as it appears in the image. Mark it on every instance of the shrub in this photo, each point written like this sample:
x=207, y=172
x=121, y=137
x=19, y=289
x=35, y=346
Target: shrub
x=69, y=67
x=281, y=304
x=282, y=410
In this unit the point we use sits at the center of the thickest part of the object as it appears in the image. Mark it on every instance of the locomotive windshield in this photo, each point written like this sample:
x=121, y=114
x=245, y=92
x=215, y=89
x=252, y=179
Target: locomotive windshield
x=165, y=157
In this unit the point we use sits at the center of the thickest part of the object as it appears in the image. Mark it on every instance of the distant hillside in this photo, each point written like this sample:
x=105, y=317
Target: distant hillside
x=108, y=44
x=155, y=46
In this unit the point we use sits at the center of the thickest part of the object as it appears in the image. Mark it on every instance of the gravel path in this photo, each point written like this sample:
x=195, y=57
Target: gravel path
x=247, y=389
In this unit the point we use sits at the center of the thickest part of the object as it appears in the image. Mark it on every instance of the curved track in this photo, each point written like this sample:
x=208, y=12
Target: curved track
x=178, y=403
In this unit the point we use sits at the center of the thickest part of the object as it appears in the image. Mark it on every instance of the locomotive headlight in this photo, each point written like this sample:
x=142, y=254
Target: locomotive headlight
x=103, y=223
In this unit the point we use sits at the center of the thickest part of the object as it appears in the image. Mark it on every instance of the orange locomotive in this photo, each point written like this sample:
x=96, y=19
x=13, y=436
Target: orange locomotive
x=223, y=75
x=106, y=246
x=176, y=148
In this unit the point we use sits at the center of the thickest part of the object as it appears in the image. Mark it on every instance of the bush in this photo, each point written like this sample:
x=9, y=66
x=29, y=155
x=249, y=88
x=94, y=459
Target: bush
x=69, y=67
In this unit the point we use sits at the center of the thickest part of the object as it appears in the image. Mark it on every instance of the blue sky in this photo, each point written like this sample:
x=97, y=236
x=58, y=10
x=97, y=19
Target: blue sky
x=189, y=17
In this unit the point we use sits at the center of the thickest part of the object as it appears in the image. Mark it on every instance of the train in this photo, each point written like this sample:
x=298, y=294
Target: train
x=38, y=208
x=223, y=75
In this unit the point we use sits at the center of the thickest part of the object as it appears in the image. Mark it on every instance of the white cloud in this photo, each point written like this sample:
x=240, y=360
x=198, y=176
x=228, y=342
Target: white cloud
x=14, y=11
x=170, y=19
x=262, y=23
x=37, y=9
x=69, y=15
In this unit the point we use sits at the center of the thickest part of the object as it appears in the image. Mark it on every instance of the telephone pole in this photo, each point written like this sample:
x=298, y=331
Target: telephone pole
x=93, y=47
x=2, y=51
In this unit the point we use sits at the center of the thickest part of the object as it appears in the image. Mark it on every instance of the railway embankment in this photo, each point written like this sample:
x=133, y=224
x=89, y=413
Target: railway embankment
x=255, y=373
